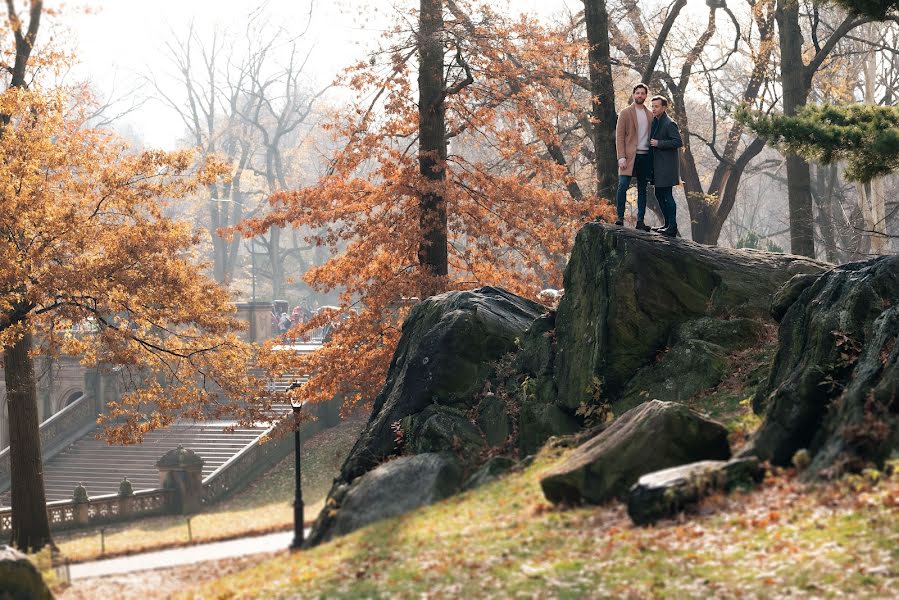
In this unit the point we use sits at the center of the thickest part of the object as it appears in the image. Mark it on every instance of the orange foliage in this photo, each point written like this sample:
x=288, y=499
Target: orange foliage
x=89, y=263
x=511, y=220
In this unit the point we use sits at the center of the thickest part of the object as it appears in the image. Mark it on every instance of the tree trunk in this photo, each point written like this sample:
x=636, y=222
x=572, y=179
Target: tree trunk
x=603, y=92
x=432, y=249
x=276, y=261
x=824, y=198
x=795, y=93
x=30, y=525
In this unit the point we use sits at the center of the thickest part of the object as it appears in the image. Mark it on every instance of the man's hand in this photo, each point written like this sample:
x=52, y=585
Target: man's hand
x=654, y=143
x=622, y=162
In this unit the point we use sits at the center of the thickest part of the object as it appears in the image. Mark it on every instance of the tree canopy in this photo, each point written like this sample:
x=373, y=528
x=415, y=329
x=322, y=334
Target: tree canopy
x=879, y=9
x=865, y=136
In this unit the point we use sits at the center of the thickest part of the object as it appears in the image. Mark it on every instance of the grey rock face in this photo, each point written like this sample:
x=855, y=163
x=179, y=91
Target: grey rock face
x=489, y=471
x=449, y=346
x=396, y=487
x=665, y=493
x=626, y=291
x=652, y=436
x=834, y=384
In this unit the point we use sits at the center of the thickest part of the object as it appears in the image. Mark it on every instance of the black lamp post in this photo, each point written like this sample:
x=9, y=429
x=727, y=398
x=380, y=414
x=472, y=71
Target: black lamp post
x=298, y=490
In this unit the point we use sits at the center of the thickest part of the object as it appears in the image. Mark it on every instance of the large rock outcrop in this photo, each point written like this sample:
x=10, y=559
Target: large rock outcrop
x=451, y=343
x=626, y=291
x=653, y=436
x=834, y=383
x=485, y=373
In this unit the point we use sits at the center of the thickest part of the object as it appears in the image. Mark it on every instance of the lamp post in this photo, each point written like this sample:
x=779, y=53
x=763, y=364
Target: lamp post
x=298, y=489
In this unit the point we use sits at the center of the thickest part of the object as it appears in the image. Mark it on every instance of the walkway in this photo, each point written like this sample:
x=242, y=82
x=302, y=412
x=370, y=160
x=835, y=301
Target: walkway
x=272, y=542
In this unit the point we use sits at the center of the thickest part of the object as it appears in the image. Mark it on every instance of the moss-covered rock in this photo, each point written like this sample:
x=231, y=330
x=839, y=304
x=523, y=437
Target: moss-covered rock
x=540, y=421
x=653, y=436
x=450, y=345
x=834, y=384
x=729, y=334
x=690, y=367
x=443, y=428
x=626, y=291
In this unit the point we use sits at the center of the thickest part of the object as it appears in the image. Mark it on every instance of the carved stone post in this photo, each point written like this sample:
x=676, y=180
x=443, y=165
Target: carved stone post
x=126, y=493
x=182, y=470
x=82, y=502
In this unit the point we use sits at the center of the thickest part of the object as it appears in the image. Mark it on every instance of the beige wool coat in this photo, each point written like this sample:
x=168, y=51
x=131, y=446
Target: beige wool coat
x=626, y=136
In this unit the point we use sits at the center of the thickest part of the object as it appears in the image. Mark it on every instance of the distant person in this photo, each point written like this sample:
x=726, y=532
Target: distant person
x=632, y=147
x=284, y=323
x=664, y=140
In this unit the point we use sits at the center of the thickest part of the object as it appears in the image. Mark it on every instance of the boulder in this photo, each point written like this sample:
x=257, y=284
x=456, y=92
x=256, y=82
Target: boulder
x=439, y=428
x=394, y=488
x=19, y=578
x=626, y=291
x=729, y=334
x=489, y=471
x=652, y=436
x=665, y=493
x=540, y=421
x=449, y=346
x=834, y=384
x=688, y=368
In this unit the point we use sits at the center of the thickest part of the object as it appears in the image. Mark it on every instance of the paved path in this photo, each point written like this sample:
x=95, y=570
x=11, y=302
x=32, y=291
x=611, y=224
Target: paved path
x=183, y=556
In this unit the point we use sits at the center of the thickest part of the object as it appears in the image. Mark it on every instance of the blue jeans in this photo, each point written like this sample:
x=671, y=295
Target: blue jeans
x=666, y=203
x=642, y=171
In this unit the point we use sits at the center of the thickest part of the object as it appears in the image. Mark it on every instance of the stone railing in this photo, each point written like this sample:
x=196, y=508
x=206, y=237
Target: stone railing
x=69, y=514
x=57, y=432
x=249, y=462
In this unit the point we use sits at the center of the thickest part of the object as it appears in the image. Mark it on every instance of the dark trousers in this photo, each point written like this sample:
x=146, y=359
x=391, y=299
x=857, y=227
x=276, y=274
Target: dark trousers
x=666, y=203
x=642, y=171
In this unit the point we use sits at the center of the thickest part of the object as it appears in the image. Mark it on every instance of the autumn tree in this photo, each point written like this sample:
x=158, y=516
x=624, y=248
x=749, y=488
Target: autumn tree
x=442, y=185
x=83, y=238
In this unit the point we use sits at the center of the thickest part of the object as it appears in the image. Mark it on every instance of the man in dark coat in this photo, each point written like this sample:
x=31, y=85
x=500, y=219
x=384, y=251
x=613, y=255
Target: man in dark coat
x=664, y=143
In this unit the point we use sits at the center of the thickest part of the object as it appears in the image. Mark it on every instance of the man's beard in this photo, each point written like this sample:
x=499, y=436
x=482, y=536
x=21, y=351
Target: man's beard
x=639, y=101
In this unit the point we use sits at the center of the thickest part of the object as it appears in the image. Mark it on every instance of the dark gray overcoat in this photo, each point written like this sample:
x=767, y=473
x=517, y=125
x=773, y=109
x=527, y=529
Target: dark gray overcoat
x=665, y=157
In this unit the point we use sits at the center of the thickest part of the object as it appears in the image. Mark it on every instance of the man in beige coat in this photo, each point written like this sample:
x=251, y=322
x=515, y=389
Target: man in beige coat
x=634, y=160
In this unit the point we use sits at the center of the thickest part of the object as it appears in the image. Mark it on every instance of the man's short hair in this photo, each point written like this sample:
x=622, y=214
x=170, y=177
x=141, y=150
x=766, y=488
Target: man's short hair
x=638, y=86
x=660, y=98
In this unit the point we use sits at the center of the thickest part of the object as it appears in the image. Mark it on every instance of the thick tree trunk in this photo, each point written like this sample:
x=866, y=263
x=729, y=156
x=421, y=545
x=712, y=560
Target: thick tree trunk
x=795, y=93
x=603, y=91
x=30, y=526
x=432, y=250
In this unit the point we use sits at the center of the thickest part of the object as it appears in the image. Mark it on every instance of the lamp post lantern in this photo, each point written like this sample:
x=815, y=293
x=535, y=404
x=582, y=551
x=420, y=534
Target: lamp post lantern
x=298, y=489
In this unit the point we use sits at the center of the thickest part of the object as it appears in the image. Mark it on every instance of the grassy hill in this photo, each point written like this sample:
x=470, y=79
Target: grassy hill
x=504, y=541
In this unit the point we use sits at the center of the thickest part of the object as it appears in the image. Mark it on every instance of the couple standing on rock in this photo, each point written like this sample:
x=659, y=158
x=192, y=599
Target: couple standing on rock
x=646, y=142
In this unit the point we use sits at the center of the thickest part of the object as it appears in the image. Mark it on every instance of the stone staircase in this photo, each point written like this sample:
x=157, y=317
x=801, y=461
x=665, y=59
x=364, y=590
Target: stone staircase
x=101, y=467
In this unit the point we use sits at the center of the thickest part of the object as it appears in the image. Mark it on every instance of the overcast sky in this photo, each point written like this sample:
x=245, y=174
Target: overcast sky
x=121, y=40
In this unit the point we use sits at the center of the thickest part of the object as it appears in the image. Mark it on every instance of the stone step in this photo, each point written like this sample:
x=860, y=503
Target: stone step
x=100, y=467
